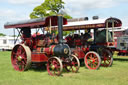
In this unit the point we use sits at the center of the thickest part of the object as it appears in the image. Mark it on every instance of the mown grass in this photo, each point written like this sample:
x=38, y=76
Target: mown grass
x=115, y=75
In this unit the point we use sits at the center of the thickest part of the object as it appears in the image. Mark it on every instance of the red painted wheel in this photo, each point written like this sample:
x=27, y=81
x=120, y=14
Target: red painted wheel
x=21, y=57
x=106, y=58
x=54, y=66
x=92, y=60
x=74, y=64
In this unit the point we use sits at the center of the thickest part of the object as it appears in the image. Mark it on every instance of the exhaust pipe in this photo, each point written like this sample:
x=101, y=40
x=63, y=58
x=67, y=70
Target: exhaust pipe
x=60, y=29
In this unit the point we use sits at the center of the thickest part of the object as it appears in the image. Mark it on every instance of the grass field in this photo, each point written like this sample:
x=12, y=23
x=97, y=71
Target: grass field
x=115, y=75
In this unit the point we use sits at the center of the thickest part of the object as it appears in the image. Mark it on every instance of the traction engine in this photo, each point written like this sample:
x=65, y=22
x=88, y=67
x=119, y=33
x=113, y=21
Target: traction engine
x=44, y=48
x=95, y=45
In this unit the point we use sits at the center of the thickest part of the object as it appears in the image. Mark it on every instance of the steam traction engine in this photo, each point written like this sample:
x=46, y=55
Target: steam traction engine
x=95, y=45
x=42, y=48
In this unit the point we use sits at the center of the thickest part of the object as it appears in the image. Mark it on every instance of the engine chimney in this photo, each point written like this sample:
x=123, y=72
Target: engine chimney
x=60, y=29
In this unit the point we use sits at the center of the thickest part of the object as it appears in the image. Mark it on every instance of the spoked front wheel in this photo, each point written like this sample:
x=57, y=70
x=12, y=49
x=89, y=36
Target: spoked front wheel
x=92, y=60
x=106, y=59
x=54, y=66
x=73, y=65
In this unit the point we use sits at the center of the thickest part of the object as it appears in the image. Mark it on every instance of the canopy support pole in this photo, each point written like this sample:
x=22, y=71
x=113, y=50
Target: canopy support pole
x=113, y=30
x=50, y=26
x=107, y=31
x=14, y=35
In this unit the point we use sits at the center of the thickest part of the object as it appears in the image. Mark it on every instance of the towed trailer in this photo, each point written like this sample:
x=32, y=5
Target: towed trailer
x=97, y=51
x=41, y=49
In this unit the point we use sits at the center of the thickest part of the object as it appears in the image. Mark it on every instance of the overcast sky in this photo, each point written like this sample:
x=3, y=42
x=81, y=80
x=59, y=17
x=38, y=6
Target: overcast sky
x=13, y=10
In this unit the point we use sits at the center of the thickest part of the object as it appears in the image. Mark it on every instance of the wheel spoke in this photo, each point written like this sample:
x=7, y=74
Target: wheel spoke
x=109, y=61
x=95, y=59
x=91, y=56
x=93, y=65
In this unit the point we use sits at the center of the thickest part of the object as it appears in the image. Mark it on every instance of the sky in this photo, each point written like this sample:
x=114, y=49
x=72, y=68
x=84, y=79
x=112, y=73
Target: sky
x=15, y=10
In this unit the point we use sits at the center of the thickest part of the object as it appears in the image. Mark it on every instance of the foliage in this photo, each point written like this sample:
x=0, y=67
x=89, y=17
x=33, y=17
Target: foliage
x=1, y=34
x=68, y=32
x=65, y=33
x=48, y=8
x=115, y=75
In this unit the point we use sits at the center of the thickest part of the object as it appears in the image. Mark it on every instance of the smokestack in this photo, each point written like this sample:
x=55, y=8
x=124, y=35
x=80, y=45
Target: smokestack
x=60, y=29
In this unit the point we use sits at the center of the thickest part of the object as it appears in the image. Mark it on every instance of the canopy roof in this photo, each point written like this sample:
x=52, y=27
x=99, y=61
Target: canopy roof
x=74, y=24
x=35, y=23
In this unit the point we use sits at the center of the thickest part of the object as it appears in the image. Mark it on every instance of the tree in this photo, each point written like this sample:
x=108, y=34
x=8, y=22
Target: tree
x=1, y=34
x=48, y=8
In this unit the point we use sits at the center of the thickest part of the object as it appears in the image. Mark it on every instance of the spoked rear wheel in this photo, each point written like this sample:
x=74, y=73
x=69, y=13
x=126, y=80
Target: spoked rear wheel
x=107, y=59
x=21, y=57
x=74, y=64
x=54, y=66
x=92, y=60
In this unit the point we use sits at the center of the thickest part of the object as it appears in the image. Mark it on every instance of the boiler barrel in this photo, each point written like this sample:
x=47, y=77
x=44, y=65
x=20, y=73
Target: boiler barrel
x=60, y=50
